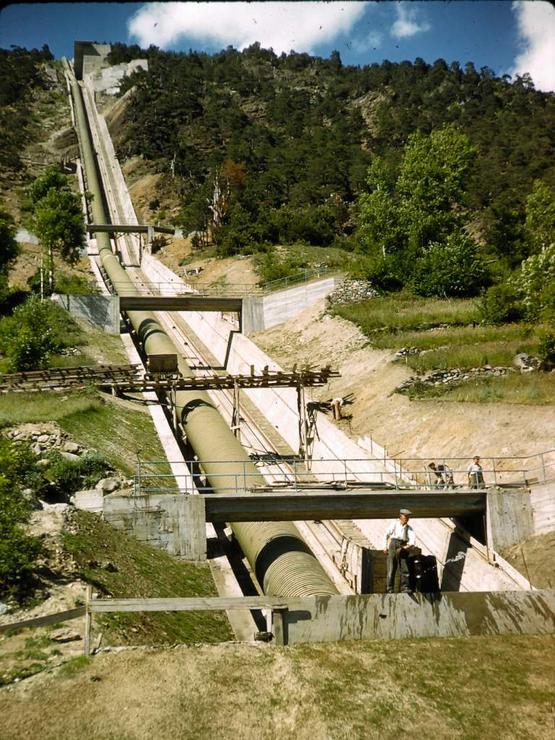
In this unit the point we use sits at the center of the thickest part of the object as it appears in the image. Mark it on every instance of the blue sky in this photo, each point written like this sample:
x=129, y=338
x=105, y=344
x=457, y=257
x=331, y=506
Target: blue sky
x=510, y=37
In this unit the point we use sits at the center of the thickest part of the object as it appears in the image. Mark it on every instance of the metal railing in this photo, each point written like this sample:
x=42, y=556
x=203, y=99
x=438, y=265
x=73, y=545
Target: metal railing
x=181, y=287
x=405, y=473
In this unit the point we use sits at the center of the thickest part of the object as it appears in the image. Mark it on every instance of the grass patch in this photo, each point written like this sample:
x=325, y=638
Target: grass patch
x=142, y=571
x=455, y=335
x=448, y=336
x=465, y=688
x=469, y=355
x=120, y=434
x=404, y=312
x=289, y=261
x=74, y=666
x=531, y=389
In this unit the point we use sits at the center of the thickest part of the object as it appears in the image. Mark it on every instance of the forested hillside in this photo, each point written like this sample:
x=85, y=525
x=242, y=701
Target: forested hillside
x=20, y=72
x=289, y=139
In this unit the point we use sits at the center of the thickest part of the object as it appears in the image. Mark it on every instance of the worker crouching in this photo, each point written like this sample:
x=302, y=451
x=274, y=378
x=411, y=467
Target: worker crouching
x=398, y=539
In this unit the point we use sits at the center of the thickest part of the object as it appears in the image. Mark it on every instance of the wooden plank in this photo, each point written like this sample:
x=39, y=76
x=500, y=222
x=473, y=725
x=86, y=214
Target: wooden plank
x=48, y=619
x=279, y=625
x=209, y=603
x=88, y=621
x=291, y=506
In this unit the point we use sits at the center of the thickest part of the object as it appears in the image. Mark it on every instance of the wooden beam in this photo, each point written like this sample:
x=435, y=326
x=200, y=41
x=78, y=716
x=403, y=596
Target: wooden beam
x=65, y=616
x=189, y=302
x=210, y=603
x=326, y=504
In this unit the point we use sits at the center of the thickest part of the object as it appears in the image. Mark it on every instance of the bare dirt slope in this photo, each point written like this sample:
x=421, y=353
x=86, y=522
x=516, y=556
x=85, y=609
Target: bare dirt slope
x=427, y=429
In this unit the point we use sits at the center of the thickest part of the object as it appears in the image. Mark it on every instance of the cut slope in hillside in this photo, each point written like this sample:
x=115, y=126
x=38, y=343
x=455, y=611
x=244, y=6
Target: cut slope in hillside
x=427, y=429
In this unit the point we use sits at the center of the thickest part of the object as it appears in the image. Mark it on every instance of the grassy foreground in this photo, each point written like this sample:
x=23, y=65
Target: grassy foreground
x=470, y=688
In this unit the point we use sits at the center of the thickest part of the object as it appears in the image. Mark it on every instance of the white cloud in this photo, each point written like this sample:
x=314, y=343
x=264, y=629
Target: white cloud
x=301, y=26
x=372, y=41
x=536, y=27
x=407, y=24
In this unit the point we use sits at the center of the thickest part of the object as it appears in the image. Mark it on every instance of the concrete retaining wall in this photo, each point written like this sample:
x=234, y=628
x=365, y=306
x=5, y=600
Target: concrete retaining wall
x=542, y=497
x=510, y=517
x=263, y=312
x=100, y=310
x=398, y=616
x=161, y=521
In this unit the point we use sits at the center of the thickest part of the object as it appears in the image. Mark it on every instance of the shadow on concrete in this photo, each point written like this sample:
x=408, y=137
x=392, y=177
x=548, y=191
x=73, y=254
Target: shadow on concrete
x=454, y=563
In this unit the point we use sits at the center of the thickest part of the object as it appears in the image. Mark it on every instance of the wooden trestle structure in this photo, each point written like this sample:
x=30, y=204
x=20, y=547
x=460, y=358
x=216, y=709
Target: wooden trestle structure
x=133, y=378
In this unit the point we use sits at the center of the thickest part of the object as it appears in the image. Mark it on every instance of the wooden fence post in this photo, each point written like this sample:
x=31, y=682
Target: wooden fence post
x=279, y=625
x=88, y=620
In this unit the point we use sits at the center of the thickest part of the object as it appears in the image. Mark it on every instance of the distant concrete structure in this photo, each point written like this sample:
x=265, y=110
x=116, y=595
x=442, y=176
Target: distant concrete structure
x=88, y=57
x=90, y=60
x=263, y=312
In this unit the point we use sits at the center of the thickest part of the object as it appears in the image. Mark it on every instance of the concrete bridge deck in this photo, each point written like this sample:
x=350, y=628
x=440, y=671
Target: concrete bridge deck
x=293, y=505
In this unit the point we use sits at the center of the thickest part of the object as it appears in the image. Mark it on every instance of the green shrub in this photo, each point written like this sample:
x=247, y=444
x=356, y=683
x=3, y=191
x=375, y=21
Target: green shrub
x=71, y=475
x=546, y=349
x=35, y=331
x=18, y=551
x=448, y=269
x=500, y=304
x=536, y=283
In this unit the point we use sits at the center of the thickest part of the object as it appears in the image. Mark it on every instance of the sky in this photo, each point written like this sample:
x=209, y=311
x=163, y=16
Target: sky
x=509, y=37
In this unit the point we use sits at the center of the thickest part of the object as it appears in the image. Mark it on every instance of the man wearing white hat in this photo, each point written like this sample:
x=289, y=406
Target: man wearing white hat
x=398, y=538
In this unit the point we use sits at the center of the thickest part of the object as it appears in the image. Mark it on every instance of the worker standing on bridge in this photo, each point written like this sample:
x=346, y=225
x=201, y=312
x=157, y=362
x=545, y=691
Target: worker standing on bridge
x=475, y=474
x=398, y=538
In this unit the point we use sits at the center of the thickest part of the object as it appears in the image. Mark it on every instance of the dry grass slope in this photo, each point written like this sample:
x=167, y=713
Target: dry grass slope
x=463, y=688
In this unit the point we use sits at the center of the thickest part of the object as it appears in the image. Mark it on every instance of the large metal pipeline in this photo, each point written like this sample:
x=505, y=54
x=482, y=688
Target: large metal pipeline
x=283, y=563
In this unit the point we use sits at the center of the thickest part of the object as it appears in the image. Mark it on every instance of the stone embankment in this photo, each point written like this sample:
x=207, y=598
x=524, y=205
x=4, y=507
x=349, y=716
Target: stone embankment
x=48, y=438
x=351, y=291
x=452, y=377
x=456, y=376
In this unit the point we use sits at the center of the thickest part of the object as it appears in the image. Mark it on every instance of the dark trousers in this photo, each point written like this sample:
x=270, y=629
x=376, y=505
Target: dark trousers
x=400, y=561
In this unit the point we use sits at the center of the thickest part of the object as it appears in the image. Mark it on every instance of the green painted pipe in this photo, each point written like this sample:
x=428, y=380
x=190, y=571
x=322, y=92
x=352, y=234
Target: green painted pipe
x=283, y=563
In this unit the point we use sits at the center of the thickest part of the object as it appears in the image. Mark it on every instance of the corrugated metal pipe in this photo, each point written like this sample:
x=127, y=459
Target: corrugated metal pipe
x=283, y=563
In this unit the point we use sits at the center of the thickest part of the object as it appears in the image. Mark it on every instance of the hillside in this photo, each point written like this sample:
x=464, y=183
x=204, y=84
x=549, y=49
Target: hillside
x=288, y=140
x=407, y=428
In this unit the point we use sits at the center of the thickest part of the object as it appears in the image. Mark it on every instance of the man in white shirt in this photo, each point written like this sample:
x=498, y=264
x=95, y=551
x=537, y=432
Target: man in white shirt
x=475, y=474
x=398, y=538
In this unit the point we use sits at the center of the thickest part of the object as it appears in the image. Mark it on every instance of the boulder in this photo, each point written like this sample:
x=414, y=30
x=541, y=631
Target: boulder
x=64, y=634
x=69, y=455
x=90, y=500
x=71, y=447
x=107, y=485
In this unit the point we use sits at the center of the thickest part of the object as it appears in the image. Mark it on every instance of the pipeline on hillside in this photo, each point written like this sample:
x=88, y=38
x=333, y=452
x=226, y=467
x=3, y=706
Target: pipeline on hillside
x=283, y=563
